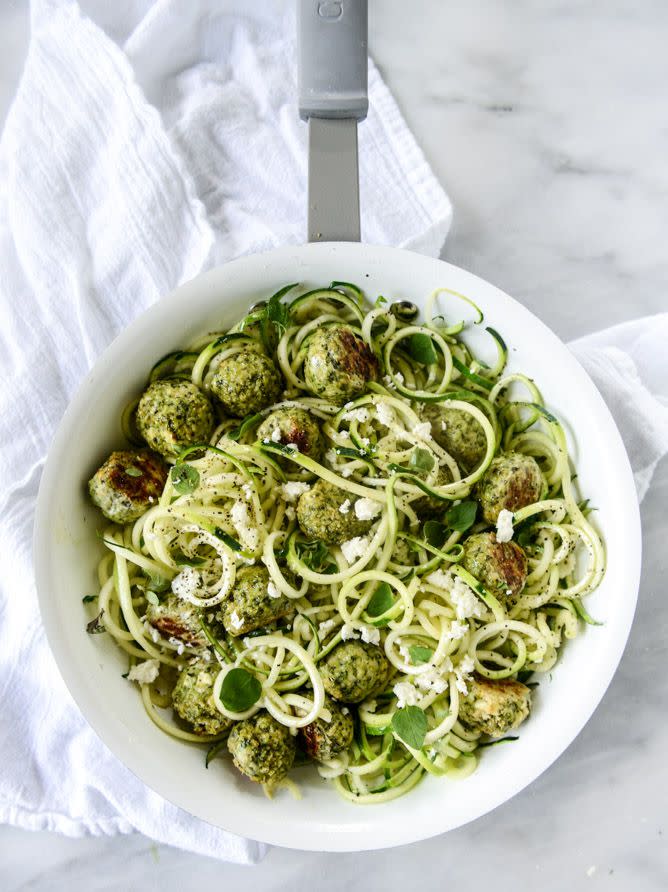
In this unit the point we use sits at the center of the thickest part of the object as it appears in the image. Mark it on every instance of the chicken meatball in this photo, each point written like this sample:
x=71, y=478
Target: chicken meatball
x=500, y=566
x=127, y=484
x=354, y=670
x=254, y=602
x=495, y=707
x=512, y=481
x=174, y=618
x=173, y=414
x=339, y=364
x=324, y=740
x=246, y=382
x=320, y=517
x=262, y=748
x=458, y=433
x=293, y=426
x=192, y=699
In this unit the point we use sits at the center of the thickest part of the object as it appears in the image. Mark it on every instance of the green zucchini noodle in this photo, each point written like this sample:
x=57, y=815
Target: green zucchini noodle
x=242, y=512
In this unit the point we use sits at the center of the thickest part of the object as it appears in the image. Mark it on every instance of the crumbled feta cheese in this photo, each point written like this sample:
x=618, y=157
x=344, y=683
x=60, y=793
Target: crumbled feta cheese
x=439, y=579
x=326, y=627
x=367, y=509
x=248, y=534
x=346, y=472
x=457, y=630
x=330, y=456
x=236, y=620
x=247, y=490
x=345, y=508
x=388, y=381
x=272, y=590
x=504, y=526
x=431, y=680
x=348, y=632
x=360, y=414
x=422, y=430
x=345, y=710
x=365, y=441
x=399, y=377
x=464, y=599
x=384, y=413
x=463, y=673
x=370, y=635
x=187, y=583
x=145, y=673
x=293, y=489
x=354, y=548
x=406, y=694
x=276, y=435
x=405, y=653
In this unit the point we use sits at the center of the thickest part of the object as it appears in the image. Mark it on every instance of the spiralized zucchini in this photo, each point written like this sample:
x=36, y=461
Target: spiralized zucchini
x=377, y=449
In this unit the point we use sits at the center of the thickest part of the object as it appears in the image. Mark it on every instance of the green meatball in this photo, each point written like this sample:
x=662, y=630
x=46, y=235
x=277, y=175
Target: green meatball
x=262, y=748
x=354, y=670
x=495, y=707
x=246, y=382
x=320, y=517
x=325, y=740
x=295, y=426
x=339, y=364
x=250, y=605
x=127, y=484
x=500, y=566
x=192, y=699
x=174, y=618
x=173, y=414
x=512, y=481
x=458, y=433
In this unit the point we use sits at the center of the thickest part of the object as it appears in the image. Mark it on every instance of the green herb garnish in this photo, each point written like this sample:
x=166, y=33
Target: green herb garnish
x=239, y=690
x=158, y=583
x=435, y=533
x=461, y=517
x=421, y=460
x=420, y=654
x=410, y=725
x=96, y=626
x=381, y=600
x=185, y=478
x=421, y=349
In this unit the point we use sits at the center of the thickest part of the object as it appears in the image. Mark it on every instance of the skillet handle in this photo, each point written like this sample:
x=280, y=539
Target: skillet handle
x=333, y=98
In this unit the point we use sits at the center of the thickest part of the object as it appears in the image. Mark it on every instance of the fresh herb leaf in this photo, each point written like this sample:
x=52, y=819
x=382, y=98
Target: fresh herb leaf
x=239, y=690
x=132, y=471
x=88, y=598
x=420, y=654
x=152, y=598
x=421, y=459
x=96, y=626
x=410, y=725
x=275, y=318
x=237, y=432
x=213, y=751
x=461, y=517
x=380, y=301
x=421, y=349
x=182, y=559
x=435, y=533
x=185, y=478
x=316, y=556
x=158, y=583
x=381, y=600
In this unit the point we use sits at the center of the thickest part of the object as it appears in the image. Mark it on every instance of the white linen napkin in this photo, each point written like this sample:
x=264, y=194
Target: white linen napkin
x=149, y=141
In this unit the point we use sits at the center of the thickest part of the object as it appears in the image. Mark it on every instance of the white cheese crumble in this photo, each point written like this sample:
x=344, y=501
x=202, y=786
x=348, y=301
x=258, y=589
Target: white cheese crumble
x=463, y=673
x=439, y=579
x=406, y=694
x=236, y=620
x=367, y=509
x=370, y=634
x=384, y=413
x=422, y=430
x=272, y=590
x=354, y=548
x=248, y=534
x=276, y=435
x=326, y=627
x=431, y=680
x=247, y=490
x=293, y=489
x=348, y=632
x=187, y=583
x=346, y=472
x=457, y=630
x=464, y=599
x=290, y=513
x=345, y=710
x=504, y=526
x=360, y=414
x=404, y=653
x=145, y=673
x=345, y=508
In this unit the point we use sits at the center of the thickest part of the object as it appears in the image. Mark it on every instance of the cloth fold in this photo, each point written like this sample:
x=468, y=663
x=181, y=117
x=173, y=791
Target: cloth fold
x=149, y=141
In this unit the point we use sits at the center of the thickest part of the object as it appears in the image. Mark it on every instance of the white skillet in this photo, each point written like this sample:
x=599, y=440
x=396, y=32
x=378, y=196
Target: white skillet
x=66, y=552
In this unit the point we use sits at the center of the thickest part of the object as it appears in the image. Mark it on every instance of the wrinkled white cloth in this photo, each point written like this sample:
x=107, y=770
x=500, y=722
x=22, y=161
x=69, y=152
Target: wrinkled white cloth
x=147, y=142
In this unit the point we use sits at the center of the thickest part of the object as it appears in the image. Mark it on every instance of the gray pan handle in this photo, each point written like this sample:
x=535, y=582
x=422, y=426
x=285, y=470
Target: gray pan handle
x=333, y=98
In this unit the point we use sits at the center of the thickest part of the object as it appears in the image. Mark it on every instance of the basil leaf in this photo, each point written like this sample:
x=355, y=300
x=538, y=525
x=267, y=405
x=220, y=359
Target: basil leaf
x=185, y=478
x=421, y=349
x=158, y=583
x=410, y=725
x=421, y=459
x=132, y=471
x=239, y=690
x=316, y=556
x=275, y=318
x=88, y=598
x=237, y=432
x=420, y=654
x=461, y=517
x=381, y=600
x=96, y=626
x=434, y=533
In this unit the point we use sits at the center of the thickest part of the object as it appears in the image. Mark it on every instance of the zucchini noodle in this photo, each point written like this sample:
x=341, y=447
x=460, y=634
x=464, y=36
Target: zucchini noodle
x=401, y=586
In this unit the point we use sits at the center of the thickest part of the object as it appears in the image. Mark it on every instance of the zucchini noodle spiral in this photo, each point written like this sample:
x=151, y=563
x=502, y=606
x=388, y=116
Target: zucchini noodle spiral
x=401, y=586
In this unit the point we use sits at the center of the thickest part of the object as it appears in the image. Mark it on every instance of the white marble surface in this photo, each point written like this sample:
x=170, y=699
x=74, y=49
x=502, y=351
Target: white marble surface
x=547, y=123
